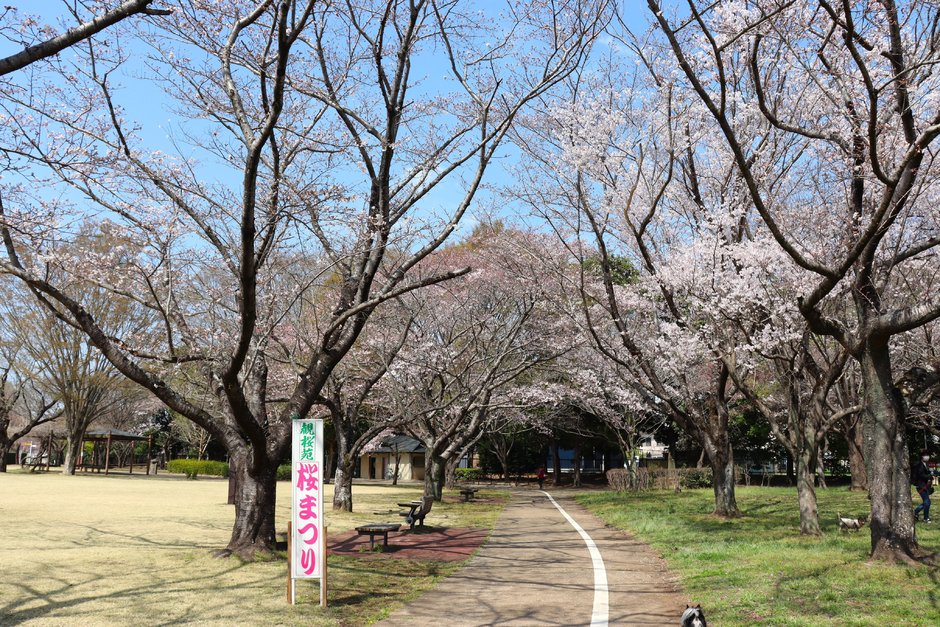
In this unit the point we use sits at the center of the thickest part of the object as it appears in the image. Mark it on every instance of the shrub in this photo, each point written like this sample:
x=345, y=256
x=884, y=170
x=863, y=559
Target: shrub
x=283, y=472
x=468, y=474
x=660, y=478
x=618, y=479
x=195, y=467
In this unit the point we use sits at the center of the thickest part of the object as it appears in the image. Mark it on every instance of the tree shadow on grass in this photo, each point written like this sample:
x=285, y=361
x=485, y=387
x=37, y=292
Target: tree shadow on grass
x=15, y=611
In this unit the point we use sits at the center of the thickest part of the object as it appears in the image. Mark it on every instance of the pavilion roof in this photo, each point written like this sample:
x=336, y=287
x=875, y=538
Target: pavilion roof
x=116, y=434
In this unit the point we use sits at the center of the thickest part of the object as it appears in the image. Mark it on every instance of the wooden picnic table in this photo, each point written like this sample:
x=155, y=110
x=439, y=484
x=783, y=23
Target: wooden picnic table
x=375, y=529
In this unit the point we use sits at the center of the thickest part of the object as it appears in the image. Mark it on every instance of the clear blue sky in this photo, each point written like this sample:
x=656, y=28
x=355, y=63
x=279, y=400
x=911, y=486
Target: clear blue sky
x=148, y=106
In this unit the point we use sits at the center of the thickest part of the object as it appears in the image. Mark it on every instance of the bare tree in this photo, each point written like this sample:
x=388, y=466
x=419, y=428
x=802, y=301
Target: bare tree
x=22, y=408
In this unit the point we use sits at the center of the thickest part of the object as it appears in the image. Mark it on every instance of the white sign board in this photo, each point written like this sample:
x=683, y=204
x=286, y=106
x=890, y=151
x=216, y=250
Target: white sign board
x=307, y=499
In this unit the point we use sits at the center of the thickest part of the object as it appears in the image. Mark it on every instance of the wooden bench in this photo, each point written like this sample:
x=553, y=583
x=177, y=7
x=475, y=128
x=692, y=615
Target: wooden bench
x=417, y=510
x=376, y=529
x=469, y=493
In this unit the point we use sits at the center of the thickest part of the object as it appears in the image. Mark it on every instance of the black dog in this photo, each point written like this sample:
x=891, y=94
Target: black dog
x=693, y=617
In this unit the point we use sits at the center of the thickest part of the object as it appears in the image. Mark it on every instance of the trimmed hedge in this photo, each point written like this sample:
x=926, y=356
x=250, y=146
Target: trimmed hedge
x=660, y=478
x=468, y=474
x=195, y=467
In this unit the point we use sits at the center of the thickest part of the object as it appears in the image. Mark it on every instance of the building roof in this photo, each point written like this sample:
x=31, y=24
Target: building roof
x=399, y=444
x=116, y=434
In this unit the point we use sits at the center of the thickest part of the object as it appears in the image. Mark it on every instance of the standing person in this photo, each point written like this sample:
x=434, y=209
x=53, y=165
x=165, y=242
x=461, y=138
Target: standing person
x=541, y=476
x=922, y=479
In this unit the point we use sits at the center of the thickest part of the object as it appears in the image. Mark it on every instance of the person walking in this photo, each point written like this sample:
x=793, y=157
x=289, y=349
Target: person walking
x=540, y=475
x=922, y=479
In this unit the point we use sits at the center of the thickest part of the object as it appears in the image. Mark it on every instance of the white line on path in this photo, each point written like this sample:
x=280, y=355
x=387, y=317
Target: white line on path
x=599, y=611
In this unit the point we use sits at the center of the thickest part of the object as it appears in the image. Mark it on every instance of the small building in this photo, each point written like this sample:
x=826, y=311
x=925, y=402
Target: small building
x=652, y=454
x=399, y=455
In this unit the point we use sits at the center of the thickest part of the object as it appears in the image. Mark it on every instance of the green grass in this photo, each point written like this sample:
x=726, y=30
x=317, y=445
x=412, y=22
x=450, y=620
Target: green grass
x=136, y=550
x=757, y=569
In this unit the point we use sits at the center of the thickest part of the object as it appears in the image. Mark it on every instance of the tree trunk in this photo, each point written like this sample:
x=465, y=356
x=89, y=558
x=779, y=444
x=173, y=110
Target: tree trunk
x=342, y=482
x=450, y=474
x=892, y=517
x=630, y=462
x=722, y=464
x=853, y=431
x=253, y=531
x=821, y=465
x=5, y=446
x=342, y=485
x=332, y=461
x=434, y=477
x=805, y=490
x=73, y=447
x=556, y=465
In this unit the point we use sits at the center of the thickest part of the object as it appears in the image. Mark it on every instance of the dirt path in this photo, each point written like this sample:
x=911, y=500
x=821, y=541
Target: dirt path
x=537, y=569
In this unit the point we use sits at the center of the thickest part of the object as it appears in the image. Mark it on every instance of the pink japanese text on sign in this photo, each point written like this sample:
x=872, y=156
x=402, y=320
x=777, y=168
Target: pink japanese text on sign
x=307, y=498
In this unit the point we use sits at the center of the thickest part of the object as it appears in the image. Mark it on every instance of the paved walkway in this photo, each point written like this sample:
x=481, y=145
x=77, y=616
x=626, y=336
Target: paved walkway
x=537, y=569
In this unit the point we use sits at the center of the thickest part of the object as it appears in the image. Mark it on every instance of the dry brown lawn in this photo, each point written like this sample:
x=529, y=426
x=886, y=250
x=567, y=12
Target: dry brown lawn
x=135, y=550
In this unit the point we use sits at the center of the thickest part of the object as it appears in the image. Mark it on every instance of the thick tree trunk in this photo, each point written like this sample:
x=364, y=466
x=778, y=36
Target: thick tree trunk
x=630, y=462
x=5, y=446
x=854, y=432
x=722, y=464
x=73, y=447
x=892, y=517
x=342, y=482
x=253, y=531
x=342, y=486
x=434, y=477
x=805, y=490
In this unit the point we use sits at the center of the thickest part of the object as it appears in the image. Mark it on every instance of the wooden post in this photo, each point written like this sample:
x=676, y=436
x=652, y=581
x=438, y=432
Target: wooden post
x=107, y=454
x=290, y=570
x=150, y=453
x=133, y=450
x=323, y=570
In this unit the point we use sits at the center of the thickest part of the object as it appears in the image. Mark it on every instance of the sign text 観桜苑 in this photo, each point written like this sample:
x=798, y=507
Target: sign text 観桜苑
x=307, y=498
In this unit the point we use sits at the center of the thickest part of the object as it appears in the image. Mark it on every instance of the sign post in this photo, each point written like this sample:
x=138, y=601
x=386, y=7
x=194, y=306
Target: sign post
x=307, y=546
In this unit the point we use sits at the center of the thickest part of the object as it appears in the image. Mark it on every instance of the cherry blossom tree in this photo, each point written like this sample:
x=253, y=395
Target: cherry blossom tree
x=605, y=178
x=348, y=395
x=305, y=146
x=851, y=102
x=471, y=340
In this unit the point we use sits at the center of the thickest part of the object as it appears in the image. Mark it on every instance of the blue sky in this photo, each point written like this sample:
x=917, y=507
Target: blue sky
x=149, y=107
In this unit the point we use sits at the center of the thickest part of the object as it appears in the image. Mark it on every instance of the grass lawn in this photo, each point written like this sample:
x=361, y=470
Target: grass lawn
x=758, y=569
x=135, y=550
